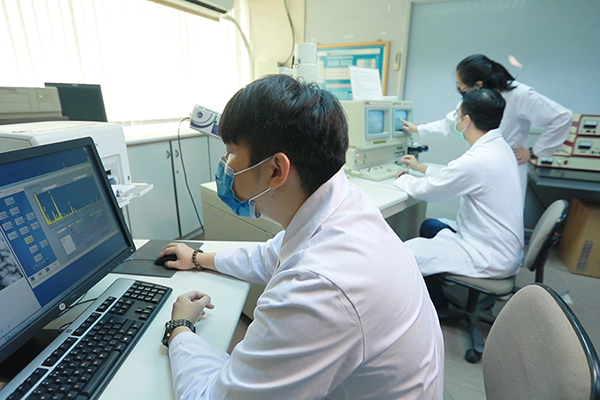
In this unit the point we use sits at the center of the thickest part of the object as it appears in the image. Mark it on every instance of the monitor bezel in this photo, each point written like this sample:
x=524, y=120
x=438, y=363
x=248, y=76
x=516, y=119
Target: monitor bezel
x=69, y=297
x=409, y=111
x=387, y=129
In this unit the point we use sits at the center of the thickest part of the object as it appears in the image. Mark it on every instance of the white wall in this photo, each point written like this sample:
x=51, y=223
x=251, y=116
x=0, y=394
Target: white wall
x=558, y=43
x=271, y=34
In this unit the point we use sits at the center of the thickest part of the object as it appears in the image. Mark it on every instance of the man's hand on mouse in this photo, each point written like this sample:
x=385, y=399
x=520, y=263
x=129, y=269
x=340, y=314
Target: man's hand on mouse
x=184, y=255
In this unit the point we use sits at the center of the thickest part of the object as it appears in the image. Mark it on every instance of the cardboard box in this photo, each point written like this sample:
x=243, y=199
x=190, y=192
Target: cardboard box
x=579, y=247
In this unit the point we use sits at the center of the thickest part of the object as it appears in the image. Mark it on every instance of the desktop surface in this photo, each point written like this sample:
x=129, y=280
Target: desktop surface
x=146, y=371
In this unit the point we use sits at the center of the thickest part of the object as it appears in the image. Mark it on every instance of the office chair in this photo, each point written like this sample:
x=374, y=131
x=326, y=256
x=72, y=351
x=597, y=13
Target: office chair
x=545, y=234
x=537, y=349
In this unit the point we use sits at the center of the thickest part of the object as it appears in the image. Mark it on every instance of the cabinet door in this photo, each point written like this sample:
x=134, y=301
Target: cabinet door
x=154, y=215
x=190, y=159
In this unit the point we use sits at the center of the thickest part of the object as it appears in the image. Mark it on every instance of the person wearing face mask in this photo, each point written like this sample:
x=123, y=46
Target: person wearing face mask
x=524, y=107
x=486, y=240
x=345, y=313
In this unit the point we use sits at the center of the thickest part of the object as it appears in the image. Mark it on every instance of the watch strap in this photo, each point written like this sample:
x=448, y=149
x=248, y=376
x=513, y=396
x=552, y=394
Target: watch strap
x=181, y=322
x=171, y=325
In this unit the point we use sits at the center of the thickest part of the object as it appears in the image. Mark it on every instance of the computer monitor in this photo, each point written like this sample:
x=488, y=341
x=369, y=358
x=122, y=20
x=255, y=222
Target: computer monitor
x=401, y=112
x=61, y=231
x=81, y=102
x=376, y=123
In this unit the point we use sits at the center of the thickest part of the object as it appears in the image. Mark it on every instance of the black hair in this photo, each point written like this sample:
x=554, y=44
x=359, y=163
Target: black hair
x=478, y=67
x=280, y=114
x=485, y=107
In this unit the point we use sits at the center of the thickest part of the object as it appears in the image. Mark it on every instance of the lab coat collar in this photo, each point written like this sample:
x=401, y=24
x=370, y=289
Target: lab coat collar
x=311, y=215
x=489, y=136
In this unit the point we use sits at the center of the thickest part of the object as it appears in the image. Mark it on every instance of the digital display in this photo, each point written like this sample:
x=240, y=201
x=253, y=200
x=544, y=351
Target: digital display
x=375, y=123
x=61, y=231
x=397, y=122
x=590, y=124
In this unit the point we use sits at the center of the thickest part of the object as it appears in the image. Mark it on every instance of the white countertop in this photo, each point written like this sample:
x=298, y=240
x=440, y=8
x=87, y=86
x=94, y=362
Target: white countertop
x=139, y=134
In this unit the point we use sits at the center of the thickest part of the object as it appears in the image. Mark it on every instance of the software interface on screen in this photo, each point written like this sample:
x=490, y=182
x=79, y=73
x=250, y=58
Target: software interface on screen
x=55, y=224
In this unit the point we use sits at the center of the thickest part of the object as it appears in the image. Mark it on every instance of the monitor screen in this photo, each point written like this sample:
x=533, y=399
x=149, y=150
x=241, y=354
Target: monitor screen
x=61, y=231
x=81, y=102
x=397, y=122
x=377, y=127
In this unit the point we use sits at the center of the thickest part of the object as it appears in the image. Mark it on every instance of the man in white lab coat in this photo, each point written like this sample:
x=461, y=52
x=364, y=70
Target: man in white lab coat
x=345, y=313
x=524, y=107
x=486, y=241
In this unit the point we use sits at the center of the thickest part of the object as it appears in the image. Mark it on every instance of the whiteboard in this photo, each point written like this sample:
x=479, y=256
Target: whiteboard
x=558, y=43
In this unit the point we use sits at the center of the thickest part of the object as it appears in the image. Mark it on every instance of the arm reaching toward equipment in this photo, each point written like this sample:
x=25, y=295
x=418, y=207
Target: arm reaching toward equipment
x=408, y=126
x=412, y=162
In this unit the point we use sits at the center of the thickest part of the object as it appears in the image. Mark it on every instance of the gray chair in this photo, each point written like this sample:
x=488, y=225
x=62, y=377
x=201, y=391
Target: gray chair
x=545, y=235
x=537, y=349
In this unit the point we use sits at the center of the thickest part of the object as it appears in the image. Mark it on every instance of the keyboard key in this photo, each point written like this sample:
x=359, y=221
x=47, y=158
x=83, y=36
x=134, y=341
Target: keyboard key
x=97, y=378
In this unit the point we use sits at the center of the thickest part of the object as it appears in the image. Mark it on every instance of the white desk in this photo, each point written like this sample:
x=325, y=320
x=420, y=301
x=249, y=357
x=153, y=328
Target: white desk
x=389, y=199
x=146, y=373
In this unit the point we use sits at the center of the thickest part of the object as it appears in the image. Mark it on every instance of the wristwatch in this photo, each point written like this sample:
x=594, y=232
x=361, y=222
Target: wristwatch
x=531, y=154
x=170, y=325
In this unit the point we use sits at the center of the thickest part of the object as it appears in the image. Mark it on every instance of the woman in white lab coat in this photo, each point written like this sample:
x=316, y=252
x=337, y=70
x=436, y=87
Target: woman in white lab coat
x=524, y=107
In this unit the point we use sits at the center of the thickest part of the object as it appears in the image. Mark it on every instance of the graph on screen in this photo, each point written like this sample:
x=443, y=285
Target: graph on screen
x=60, y=202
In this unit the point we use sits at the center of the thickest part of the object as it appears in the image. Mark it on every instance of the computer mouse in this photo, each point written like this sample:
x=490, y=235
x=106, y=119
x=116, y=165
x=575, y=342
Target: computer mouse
x=167, y=257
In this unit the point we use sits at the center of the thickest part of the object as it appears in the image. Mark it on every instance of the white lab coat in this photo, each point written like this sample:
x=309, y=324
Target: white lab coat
x=489, y=238
x=524, y=107
x=345, y=314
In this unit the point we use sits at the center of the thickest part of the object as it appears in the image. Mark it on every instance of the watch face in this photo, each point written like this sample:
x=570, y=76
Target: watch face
x=166, y=334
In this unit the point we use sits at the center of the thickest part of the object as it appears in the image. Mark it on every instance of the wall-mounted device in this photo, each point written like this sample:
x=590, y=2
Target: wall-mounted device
x=205, y=120
x=304, y=65
x=305, y=62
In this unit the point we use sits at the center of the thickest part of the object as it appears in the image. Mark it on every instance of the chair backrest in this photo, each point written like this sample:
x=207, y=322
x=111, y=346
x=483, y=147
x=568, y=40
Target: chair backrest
x=544, y=234
x=537, y=349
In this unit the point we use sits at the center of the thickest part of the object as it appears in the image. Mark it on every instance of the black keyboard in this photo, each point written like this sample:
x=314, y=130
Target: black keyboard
x=81, y=361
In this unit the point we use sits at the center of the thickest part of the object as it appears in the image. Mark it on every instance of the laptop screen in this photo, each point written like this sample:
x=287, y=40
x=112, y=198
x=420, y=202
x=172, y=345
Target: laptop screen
x=61, y=231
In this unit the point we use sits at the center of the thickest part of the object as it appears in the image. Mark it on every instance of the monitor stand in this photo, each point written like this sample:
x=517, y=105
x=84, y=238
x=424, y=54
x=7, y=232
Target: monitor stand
x=10, y=367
